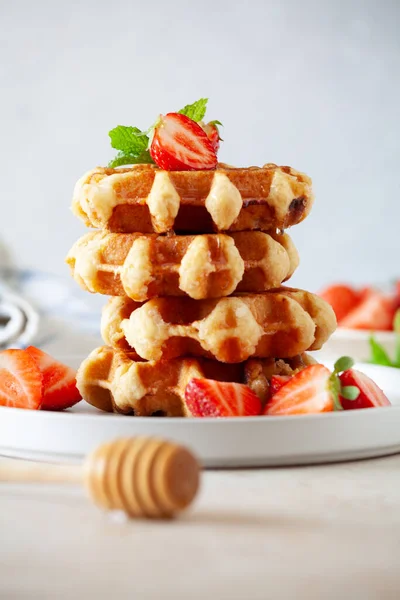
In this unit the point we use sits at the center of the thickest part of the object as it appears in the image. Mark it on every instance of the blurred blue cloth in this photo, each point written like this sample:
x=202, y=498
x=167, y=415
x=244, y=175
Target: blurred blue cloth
x=47, y=311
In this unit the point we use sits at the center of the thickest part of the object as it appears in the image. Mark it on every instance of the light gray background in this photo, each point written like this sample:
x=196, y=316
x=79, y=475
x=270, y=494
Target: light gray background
x=314, y=85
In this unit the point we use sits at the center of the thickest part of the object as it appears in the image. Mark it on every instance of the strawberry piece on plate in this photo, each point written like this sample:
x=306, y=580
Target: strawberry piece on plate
x=375, y=312
x=213, y=134
x=180, y=144
x=307, y=392
x=21, y=382
x=342, y=298
x=59, y=381
x=370, y=395
x=209, y=398
x=277, y=382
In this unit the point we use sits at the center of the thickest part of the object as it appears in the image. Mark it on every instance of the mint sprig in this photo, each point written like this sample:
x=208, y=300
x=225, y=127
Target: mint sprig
x=129, y=140
x=195, y=111
x=379, y=355
x=350, y=392
x=130, y=159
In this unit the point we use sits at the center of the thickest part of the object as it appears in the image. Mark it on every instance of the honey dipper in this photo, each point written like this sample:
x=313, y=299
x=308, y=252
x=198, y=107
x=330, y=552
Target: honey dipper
x=144, y=477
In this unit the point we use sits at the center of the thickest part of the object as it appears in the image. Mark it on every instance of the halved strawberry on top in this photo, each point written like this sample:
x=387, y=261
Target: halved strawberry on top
x=209, y=398
x=59, y=381
x=21, y=382
x=180, y=144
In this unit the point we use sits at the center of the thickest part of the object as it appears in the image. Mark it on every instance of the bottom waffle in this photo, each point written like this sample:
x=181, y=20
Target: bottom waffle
x=109, y=380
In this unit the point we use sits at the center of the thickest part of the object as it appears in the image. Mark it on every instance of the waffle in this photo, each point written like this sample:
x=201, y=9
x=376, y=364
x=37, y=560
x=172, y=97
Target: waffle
x=281, y=322
x=143, y=266
x=146, y=199
x=111, y=381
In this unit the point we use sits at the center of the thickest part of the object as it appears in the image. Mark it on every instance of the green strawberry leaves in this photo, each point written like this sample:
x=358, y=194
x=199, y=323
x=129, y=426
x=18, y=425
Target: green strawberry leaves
x=133, y=144
x=379, y=355
x=350, y=392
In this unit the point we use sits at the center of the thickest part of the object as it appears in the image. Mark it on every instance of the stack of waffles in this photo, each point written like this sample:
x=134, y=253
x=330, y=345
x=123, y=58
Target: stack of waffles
x=194, y=262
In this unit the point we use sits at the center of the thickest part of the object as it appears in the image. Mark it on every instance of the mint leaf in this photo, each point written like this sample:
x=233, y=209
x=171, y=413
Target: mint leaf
x=195, y=111
x=130, y=159
x=129, y=140
x=343, y=364
x=379, y=356
x=350, y=392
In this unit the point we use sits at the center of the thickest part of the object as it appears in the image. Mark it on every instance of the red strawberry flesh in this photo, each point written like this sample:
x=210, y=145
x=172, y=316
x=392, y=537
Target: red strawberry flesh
x=59, y=381
x=306, y=392
x=370, y=395
x=342, y=298
x=209, y=398
x=277, y=382
x=375, y=312
x=21, y=381
x=180, y=144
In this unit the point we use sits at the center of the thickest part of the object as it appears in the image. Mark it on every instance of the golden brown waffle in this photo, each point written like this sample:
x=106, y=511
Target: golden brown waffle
x=281, y=322
x=109, y=380
x=146, y=199
x=143, y=266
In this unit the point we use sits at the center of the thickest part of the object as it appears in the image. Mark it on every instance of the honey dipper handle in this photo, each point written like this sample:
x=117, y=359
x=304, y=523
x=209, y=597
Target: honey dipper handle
x=32, y=472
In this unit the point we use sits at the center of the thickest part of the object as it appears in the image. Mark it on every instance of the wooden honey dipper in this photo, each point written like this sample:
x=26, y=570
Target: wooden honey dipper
x=144, y=477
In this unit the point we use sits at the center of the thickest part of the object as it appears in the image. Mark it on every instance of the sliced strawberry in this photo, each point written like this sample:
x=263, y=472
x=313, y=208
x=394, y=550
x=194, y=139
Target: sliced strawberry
x=21, y=382
x=180, y=144
x=209, y=398
x=213, y=134
x=277, y=382
x=342, y=298
x=375, y=312
x=306, y=392
x=370, y=394
x=59, y=381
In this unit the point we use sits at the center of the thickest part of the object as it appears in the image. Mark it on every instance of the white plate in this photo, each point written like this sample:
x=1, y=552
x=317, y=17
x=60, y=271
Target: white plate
x=355, y=343
x=231, y=442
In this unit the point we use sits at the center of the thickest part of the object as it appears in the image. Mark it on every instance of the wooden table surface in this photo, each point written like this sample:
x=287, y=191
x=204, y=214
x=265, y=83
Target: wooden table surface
x=320, y=532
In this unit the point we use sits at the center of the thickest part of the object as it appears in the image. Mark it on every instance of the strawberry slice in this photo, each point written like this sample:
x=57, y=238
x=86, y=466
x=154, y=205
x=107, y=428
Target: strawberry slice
x=307, y=392
x=277, y=382
x=375, y=312
x=21, y=382
x=213, y=134
x=342, y=298
x=180, y=144
x=209, y=398
x=59, y=381
x=370, y=395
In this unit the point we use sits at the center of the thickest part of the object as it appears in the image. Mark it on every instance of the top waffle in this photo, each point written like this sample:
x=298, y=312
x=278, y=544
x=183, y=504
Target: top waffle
x=146, y=199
